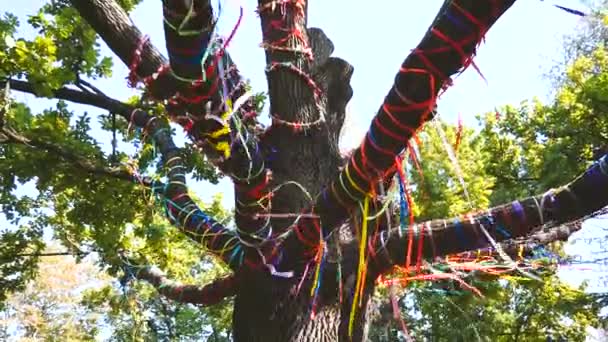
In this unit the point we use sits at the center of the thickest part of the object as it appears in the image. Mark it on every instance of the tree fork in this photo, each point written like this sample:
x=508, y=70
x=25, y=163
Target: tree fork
x=409, y=104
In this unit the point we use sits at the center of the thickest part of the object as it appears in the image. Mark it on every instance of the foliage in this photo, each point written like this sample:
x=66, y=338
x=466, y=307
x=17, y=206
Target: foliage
x=137, y=313
x=439, y=190
x=49, y=307
x=592, y=32
x=540, y=139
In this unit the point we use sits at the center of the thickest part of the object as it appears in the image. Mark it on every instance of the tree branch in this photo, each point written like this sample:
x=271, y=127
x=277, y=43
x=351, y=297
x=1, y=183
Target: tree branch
x=245, y=160
x=571, y=202
x=517, y=179
x=237, y=153
x=206, y=295
x=76, y=96
x=302, y=78
x=48, y=254
x=528, y=245
x=294, y=98
x=182, y=210
x=188, y=27
x=115, y=27
x=411, y=101
x=76, y=160
x=189, y=32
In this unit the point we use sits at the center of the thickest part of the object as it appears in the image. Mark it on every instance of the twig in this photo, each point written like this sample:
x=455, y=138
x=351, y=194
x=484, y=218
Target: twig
x=76, y=160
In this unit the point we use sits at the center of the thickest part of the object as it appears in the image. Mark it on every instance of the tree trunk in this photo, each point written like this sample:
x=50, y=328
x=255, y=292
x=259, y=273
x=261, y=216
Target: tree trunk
x=268, y=309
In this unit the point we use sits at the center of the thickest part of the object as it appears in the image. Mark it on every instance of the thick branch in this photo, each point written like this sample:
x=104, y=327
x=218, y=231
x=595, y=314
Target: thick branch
x=294, y=105
x=189, y=37
x=188, y=27
x=293, y=94
x=206, y=295
x=572, y=202
x=115, y=27
x=181, y=209
x=189, y=33
x=300, y=82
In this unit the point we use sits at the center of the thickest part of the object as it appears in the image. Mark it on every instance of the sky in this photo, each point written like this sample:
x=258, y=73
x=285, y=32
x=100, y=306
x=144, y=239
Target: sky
x=519, y=50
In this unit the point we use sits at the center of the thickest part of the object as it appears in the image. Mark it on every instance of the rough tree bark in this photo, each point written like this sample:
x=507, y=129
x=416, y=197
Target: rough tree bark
x=309, y=90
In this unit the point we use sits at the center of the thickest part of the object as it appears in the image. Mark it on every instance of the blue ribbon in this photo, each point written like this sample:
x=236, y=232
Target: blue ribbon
x=236, y=250
x=460, y=233
x=456, y=22
x=403, y=209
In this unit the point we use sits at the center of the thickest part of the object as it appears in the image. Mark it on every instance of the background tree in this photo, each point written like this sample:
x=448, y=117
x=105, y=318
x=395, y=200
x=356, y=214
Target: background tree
x=94, y=202
x=591, y=34
x=49, y=307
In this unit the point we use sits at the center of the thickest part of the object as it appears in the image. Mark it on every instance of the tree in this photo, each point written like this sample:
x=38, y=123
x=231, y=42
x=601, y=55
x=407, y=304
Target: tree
x=297, y=199
x=69, y=296
x=591, y=35
x=49, y=307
